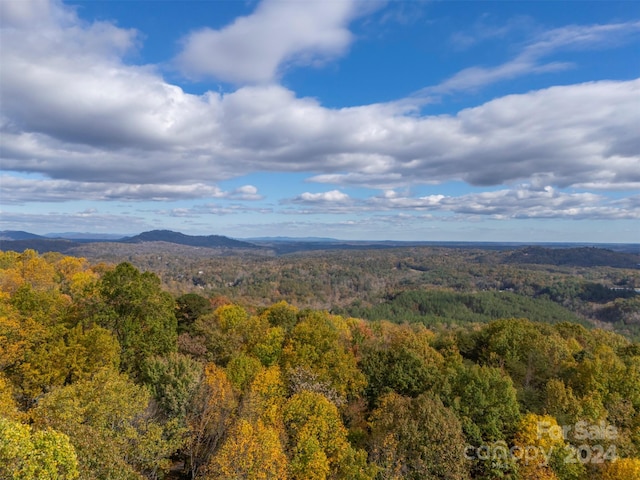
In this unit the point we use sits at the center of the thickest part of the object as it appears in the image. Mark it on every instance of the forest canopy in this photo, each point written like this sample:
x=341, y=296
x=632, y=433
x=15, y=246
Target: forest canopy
x=107, y=374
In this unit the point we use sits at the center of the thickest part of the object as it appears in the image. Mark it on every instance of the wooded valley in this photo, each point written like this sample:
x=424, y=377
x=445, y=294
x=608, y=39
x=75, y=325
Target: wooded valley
x=407, y=363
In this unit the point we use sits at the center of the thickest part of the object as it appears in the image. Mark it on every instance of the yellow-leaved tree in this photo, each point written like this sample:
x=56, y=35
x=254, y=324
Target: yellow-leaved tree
x=209, y=417
x=107, y=419
x=27, y=454
x=318, y=447
x=622, y=469
x=543, y=450
x=321, y=344
x=252, y=451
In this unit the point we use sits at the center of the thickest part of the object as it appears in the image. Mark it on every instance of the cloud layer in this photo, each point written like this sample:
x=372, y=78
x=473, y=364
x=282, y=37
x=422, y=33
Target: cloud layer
x=524, y=202
x=96, y=127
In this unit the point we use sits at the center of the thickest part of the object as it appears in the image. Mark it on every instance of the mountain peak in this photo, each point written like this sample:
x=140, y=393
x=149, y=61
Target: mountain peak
x=208, y=241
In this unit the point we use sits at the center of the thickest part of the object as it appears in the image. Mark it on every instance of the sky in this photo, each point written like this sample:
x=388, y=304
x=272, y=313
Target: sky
x=411, y=120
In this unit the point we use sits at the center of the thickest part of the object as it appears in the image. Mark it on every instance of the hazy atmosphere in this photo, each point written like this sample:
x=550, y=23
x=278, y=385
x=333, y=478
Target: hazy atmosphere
x=404, y=120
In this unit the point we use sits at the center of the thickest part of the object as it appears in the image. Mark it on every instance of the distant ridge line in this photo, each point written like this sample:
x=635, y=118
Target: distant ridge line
x=560, y=253
x=24, y=240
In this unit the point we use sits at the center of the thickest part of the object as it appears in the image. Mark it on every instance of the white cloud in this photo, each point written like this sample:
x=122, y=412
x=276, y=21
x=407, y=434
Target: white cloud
x=331, y=202
x=334, y=196
x=34, y=13
x=74, y=112
x=246, y=192
x=255, y=48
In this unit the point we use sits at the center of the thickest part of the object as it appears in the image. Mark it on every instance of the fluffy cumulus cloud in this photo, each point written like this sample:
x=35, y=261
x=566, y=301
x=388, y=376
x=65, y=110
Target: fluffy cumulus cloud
x=255, y=48
x=75, y=113
x=334, y=196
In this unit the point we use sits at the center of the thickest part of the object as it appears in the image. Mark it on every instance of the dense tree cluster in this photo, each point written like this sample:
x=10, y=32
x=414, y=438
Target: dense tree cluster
x=105, y=375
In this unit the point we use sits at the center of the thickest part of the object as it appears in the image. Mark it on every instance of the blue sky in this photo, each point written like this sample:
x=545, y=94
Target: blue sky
x=405, y=120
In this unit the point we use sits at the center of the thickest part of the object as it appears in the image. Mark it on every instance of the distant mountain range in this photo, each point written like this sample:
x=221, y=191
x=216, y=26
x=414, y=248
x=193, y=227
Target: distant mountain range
x=20, y=240
x=614, y=255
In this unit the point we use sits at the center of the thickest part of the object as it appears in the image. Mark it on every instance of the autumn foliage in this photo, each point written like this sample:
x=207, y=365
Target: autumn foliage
x=105, y=375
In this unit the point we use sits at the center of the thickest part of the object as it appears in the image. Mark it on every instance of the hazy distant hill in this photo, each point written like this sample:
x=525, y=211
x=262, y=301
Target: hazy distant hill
x=20, y=241
x=110, y=237
x=39, y=244
x=209, y=241
x=293, y=239
x=18, y=235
